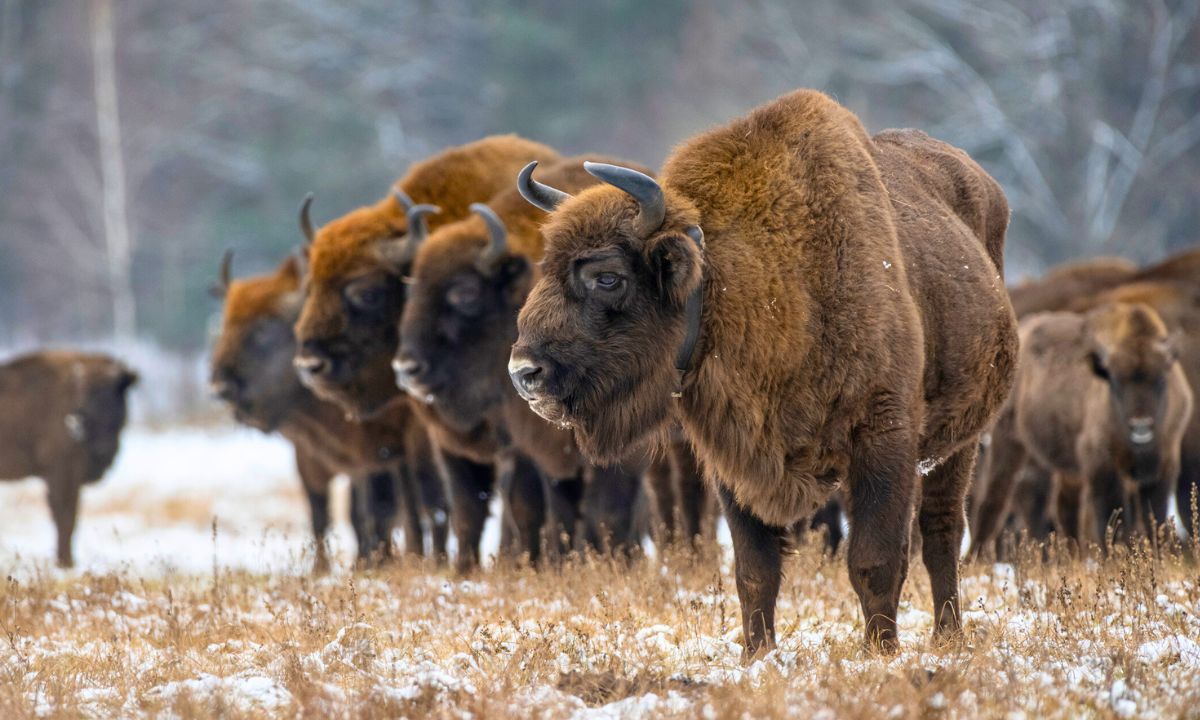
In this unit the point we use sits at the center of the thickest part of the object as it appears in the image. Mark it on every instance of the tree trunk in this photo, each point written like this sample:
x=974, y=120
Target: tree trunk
x=118, y=244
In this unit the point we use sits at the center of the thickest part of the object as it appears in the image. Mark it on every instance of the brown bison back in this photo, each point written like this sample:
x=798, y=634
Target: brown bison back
x=1063, y=284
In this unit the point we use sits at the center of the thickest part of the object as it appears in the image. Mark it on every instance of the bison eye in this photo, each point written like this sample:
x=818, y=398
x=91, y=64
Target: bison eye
x=464, y=298
x=607, y=280
x=366, y=299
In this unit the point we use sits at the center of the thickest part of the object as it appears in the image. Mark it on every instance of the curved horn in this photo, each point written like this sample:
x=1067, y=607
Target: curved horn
x=499, y=235
x=405, y=201
x=643, y=188
x=226, y=269
x=306, y=225
x=418, y=229
x=540, y=196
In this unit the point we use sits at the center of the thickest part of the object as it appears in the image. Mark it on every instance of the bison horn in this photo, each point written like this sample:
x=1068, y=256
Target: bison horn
x=643, y=188
x=226, y=269
x=306, y=225
x=418, y=229
x=540, y=196
x=499, y=238
x=405, y=201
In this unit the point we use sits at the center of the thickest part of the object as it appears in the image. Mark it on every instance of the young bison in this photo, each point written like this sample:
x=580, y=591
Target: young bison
x=818, y=307
x=389, y=456
x=61, y=415
x=469, y=280
x=1100, y=401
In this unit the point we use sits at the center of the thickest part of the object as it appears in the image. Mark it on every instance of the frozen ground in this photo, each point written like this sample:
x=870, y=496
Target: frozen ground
x=148, y=627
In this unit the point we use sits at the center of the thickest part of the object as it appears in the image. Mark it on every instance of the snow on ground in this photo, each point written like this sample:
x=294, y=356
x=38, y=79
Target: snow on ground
x=155, y=509
x=146, y=628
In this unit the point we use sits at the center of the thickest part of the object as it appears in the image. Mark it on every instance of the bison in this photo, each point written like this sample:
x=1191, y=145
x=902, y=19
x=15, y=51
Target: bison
x=1100, y=401
x=61, y=420
x=388, y=459
x=469, y=280
x=818, y=307
x=347, y=329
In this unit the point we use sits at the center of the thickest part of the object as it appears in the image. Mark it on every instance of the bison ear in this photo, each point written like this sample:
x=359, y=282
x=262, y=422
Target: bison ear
x=676, y=259
x=127, y=379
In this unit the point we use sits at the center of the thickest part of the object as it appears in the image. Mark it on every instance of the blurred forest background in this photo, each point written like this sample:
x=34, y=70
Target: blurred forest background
x=144, y=137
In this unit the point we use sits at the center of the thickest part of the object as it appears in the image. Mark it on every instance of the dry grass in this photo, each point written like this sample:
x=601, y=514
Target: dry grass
x=1061, y=638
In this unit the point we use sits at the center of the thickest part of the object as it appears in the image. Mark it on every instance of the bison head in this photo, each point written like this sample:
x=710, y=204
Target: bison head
x=95, y=422
x=601, y=332
x=346, y=332
x=460, y=320
x=252, y=356
x=1131, y=351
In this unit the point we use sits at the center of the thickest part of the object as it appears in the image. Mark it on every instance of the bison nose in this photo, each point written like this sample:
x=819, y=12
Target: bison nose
x=1141, y=430
x=408, y=370
x=527, y=376
x=312, y=363
x=225, y=385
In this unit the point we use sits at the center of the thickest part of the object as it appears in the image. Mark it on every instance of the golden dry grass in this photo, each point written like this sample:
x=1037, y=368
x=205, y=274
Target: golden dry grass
x=1061, y=638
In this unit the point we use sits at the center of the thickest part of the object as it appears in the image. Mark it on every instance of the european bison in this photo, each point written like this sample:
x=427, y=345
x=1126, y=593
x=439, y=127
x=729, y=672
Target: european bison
x=1066, y=282
x=347, y=330
x=469, y=280
x=817, y=306
x=388, y=459
x=1100, y=401
x=61, y=415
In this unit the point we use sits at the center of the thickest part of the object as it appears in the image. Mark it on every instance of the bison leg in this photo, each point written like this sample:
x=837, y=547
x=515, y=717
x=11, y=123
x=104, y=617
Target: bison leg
x=360, y=518
x=433, y=502
x=469, y=486
x=562, y=498
x=384, y=504
x=692, y=493
x=942, y=521
x=1109, y=503
x=609, y=497
x=1005, y=458
x=880, y=508
x=1187, y=486
x=660, y=485
x=829, y=518
x=1068, y=505
x=314, y=477
x=758, y=568
x=524, y=506
x=408, y=501
x=64, y=508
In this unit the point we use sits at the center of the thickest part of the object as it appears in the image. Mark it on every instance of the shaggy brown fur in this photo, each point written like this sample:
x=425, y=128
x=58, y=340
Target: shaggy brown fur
x=61, y=415
x=388, y=459
x=1068, y=281
x=1101, y=401
x=354, y=292
x=457, y=329
x=854, y=325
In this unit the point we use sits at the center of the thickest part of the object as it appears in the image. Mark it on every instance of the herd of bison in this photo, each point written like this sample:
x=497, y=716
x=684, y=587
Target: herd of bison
x=792, y=318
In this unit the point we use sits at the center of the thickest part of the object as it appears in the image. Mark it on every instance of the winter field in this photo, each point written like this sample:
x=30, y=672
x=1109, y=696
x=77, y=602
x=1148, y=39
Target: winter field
x=173, y=613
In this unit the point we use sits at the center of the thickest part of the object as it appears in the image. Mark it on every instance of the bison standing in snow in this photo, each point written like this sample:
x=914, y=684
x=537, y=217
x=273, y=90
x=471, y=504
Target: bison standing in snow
x=388, y=459
x=354, y=293
x=61, y=415
x=819, y=308
x=1101, y=402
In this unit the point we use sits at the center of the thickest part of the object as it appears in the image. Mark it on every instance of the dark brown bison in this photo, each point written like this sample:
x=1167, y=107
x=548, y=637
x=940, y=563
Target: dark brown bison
x=61, y=415
x=388, y=459
x=1100, y=401
x=347, y=330
x=818, y=307
x=468, y=282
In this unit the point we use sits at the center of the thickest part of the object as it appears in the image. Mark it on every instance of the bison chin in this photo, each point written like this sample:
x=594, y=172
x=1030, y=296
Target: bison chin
x=610, y=423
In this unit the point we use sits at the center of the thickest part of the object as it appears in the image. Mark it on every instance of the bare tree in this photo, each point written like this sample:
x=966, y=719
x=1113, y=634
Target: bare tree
x=118, y=242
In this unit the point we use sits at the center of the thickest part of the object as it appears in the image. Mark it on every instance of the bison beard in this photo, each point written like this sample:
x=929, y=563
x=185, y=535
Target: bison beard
x=854, y=323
